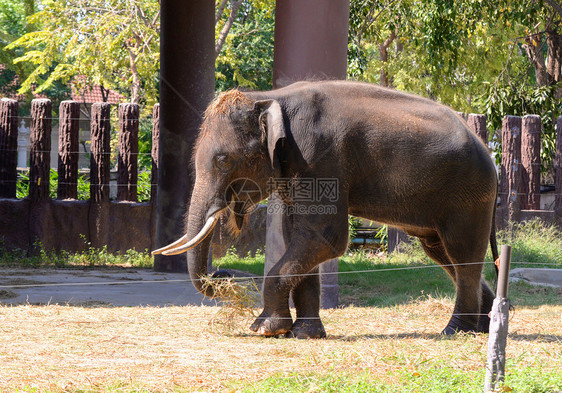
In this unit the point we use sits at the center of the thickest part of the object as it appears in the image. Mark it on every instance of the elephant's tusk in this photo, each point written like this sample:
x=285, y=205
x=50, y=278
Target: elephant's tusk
x=182, y=240
x=183, y=245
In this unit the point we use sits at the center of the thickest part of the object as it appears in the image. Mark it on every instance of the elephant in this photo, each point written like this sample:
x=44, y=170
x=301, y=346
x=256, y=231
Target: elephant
x=385, y=155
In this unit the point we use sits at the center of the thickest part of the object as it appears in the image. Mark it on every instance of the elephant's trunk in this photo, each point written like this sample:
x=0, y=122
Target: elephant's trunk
x=198, y=256
x=196, y=242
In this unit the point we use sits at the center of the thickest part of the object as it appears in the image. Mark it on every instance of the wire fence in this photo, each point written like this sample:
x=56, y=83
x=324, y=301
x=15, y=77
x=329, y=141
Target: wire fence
x=262, y=277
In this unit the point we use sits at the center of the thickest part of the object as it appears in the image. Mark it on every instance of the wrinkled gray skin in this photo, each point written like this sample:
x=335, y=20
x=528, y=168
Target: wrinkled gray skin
x=400, y=159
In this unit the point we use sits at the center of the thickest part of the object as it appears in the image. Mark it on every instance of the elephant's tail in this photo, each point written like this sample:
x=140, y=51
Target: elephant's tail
x=493, y=240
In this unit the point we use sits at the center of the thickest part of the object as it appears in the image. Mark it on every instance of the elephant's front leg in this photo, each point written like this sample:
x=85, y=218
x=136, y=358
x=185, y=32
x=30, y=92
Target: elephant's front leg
x=306, y=250
x=306, y=298
x=275, y=318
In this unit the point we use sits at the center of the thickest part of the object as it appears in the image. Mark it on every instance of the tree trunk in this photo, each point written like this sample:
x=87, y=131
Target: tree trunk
x=226, y=28
x=386, y=80
x=554, y=66
x=533, y=47
x=220, y=10
x=135, y=86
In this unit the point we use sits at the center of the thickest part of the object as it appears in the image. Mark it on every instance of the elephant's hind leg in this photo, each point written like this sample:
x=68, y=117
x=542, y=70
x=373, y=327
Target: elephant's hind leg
x=461, y=320
x=466, y=246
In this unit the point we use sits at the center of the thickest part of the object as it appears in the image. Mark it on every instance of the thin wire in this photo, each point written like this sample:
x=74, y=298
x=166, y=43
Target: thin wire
x=60, y=120
x=262, y=277
x=73, y=152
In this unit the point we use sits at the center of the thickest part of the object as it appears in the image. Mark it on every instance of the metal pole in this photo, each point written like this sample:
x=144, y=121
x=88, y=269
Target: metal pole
x=495, y=365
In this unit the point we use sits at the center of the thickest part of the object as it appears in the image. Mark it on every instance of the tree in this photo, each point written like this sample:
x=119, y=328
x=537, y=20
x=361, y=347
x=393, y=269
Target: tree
x=110, y=43
x=496, y=58
x=13, y=24
x=245, y=54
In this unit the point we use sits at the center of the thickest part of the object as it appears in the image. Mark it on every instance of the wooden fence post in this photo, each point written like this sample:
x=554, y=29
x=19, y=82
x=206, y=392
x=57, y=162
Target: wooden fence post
x=127, y=162
x=100, y=159
x=558, y=171
x=477, y=123
x=40, y=155
x=510, y=178
x=69, y=117
x=100, y=152
x=155, y=150
x=8, y=147
x=499, y=321
x=531, y=162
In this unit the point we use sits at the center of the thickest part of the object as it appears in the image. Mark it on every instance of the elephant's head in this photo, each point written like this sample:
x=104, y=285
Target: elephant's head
x=235, y=156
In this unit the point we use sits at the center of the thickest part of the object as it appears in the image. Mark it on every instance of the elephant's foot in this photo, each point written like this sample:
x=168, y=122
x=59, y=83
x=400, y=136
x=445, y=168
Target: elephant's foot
x=457, y=325
x=272, y=325
x=307, y=328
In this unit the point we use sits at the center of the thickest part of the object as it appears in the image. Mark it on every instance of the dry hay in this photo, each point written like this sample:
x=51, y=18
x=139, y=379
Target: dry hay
x=239, y=303
x=62, y=348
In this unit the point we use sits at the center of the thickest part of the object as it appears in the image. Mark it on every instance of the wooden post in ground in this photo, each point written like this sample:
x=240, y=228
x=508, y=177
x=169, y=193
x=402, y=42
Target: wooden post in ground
x=510, y=178
x=100, y=152
x=8, y=147
x=477, y=123
x=69, y=126
x=531, y=162
x=40, y=154
x=127, y=162
x=100, y=173
x=499, y=321
x=558, y=171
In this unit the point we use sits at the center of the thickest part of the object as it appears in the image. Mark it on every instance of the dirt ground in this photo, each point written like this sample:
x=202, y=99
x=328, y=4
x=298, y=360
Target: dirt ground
x=64, y=348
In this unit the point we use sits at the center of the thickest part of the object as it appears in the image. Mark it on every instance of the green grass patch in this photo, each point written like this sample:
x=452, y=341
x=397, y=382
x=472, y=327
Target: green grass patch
x=533, y=243
x=371, y=280
x=90, y=257
x=434, y=377
x=381, y=280
x=250, y=263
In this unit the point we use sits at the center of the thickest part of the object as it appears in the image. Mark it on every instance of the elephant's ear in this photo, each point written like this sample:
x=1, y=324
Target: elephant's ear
x=272, y=126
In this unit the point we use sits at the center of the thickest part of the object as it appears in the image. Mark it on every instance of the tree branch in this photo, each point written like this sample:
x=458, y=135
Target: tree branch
x=220, y=10
x=557, y=7
x=226, y=28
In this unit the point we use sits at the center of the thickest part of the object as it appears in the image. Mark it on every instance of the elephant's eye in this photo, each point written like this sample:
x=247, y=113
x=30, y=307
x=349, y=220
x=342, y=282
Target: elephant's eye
x=223, y=163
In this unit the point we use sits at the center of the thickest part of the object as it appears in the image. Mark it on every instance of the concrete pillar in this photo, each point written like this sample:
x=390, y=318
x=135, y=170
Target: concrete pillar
x=187, y=81
x=310, y=43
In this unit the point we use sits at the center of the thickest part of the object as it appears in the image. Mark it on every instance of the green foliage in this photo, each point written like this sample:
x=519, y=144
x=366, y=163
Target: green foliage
x=430, y=375
x=253, y=264
x=354, y=223
x=381, y=280
x=533, y=241
x=144, y=186
x=145, y=143
x=83, y=186
x=467, y=54
x=90, y=257
x=113, y=44
x=246, y=59
x=12, y=25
